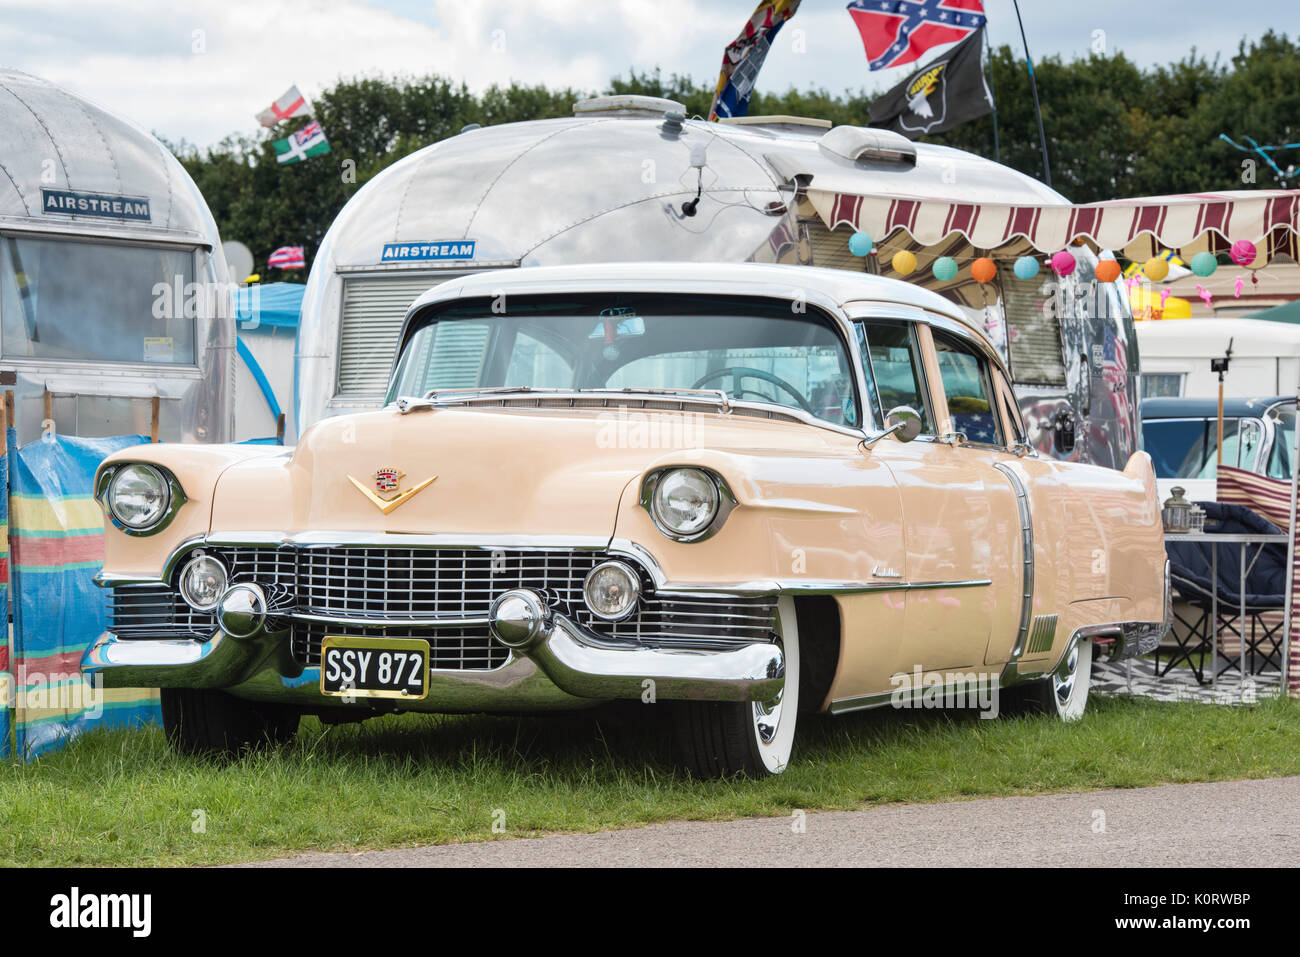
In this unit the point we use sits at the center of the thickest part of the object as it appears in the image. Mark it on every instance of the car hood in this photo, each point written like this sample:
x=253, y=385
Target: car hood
x=489, y=472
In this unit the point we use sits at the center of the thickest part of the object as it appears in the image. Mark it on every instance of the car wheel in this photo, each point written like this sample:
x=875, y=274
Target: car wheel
x=215, y=724
x=1064, y=693
x=755, y=738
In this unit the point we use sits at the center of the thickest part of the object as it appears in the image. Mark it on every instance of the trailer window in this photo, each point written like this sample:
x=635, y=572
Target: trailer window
x=67, y=299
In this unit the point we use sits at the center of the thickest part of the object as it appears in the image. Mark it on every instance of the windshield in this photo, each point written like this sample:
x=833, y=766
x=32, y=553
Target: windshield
x=67, y=299
x=1189, y=448
x=754, y=350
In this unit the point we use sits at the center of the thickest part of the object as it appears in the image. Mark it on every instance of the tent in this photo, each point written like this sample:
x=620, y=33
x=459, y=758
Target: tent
x=1287, y=312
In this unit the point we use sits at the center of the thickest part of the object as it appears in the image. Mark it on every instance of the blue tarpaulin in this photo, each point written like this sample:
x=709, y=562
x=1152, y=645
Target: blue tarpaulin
x=269, y=304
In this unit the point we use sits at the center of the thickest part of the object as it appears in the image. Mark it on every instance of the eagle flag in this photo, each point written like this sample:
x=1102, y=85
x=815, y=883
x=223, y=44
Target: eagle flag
x=291, y=104
x=897, y=32
x=946, y=92
x=296, y=147
x=744, y=56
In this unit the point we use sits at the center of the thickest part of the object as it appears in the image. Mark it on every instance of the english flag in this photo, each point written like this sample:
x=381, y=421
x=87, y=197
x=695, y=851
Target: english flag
x=897, y=32
x=287, y=257
x=286, y=107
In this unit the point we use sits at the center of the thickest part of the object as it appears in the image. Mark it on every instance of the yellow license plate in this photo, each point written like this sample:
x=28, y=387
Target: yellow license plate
x=374, y=667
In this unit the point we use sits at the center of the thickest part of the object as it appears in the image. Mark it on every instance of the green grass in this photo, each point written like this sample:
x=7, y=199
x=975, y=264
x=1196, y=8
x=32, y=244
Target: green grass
x=122, y=797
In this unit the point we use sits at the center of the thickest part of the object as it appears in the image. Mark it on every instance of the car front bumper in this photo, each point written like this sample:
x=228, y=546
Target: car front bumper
x=560, y=666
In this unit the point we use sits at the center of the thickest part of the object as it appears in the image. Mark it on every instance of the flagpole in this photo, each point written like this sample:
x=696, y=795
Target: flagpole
x=1033, y=87
x=988, y=48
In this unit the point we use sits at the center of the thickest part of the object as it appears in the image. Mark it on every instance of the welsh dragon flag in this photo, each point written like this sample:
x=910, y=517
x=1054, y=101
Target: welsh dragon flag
x=308, y=141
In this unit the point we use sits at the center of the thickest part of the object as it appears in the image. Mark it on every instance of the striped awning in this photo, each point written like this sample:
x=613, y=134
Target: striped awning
x=1189, y=223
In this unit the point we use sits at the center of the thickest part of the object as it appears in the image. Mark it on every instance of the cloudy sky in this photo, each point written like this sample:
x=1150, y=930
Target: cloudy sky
x=200, y=69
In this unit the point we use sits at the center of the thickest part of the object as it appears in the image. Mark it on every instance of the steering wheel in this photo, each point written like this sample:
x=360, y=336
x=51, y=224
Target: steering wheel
x=739, y=392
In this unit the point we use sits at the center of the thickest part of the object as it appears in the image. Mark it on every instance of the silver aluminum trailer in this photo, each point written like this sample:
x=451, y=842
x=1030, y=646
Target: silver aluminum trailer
x=611, y=184
x=115, y=313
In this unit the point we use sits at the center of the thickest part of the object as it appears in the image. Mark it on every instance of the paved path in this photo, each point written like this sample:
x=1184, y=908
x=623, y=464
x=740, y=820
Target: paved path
x=1252, y=823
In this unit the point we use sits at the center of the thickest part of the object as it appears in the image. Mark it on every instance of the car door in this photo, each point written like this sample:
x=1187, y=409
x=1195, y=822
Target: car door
x=950, y=526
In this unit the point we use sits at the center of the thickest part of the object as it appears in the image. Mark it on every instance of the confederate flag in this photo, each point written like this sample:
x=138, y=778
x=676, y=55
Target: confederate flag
x=896, y=32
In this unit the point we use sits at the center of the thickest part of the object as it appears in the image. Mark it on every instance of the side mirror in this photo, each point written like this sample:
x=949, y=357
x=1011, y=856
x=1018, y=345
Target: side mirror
x=903, y=422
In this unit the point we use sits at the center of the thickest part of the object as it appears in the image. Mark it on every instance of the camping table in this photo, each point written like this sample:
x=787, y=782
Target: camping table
x=1242, y=540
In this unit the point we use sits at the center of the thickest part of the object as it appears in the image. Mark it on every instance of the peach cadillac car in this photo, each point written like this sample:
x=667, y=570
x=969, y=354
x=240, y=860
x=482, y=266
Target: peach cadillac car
x=741, y=492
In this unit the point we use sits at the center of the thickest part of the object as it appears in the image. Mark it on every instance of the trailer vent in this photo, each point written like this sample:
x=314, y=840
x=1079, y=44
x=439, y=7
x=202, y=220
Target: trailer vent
x=373, y=310
x=1034, y=344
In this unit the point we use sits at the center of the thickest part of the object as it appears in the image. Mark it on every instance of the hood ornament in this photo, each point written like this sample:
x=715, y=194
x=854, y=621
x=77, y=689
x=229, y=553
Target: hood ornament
x=384, y=491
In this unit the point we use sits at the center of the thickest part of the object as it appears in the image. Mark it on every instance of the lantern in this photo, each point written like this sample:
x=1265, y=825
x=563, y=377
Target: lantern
x=860, y=244
x=1063, y=263
x=1107, y=270
x=983, y=270
x=1204, y=264
x=945, y=268
x=1156, y=268
x=1026, y=267
x=1243, y=252
x=903, y=262
x=1177, y=512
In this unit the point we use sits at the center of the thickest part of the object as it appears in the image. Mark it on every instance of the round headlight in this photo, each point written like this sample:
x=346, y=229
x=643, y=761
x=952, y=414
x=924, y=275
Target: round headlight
x=611, y=590
x=203, y=582
x=138, y=496
x=685, y=501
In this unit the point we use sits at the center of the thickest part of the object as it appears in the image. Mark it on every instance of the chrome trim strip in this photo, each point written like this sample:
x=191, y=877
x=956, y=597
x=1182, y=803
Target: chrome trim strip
x=1027, y=548
x=434, y=622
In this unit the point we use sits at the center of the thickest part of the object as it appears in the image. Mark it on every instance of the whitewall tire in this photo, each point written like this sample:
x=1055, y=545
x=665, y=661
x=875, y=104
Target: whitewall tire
x=721, y=739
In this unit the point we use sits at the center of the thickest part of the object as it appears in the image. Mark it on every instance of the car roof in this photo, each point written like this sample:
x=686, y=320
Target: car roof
x=1185, y=407
x=756, y=279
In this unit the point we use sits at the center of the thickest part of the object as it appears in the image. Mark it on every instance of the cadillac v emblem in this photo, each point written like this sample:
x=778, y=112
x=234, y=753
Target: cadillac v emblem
x=385, y=490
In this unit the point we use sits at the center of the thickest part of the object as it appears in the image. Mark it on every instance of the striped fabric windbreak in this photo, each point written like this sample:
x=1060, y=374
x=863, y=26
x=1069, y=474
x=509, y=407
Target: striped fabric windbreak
x=6, y=680
x=56, y=533
x=1271, y=498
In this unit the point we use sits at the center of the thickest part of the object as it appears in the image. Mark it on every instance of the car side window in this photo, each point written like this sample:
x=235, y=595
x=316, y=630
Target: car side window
x=968, y=389
x=1010, y=411
x=894, y=369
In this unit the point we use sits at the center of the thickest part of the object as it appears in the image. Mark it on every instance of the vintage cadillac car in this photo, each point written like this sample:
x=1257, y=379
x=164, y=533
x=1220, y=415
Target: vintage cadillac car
x=739, y=491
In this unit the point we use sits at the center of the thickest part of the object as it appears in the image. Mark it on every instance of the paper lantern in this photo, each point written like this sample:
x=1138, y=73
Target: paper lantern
x=860, y=244
x=1156, y=268
x=983, y=270
x=1204, y=264
x=1026, y=267
x=945, y=268
x=1243, y=252
x=1107, y=270
x=1063, y=263
x=903, y=262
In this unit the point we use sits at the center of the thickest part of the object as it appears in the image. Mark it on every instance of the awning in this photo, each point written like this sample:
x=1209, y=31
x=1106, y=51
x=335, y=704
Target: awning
x=1189, y=223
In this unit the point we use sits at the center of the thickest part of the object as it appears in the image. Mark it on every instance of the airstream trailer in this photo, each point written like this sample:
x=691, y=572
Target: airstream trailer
x=114, y=296
x=629, y=178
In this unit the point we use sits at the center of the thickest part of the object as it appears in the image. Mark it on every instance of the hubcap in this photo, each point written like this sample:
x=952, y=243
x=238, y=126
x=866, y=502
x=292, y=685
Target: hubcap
x=1064, y=677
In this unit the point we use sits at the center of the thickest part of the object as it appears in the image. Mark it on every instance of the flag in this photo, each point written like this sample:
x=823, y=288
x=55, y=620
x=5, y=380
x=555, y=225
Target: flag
x=946, y=92
x=308, y=141
x=897, y=32
x=744, y=56
x=288, y=257
x=291, y=104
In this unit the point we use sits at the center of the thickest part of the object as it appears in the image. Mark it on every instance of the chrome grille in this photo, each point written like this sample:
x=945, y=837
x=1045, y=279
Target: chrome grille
x=457, y=648
x=393, y=583
x=415, y=582
x=146, y=611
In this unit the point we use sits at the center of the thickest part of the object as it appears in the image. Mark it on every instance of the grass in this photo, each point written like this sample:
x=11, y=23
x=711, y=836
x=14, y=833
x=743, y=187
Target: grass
x=122, y=798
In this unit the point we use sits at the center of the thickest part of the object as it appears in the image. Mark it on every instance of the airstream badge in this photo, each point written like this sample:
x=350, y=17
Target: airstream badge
x=102, y=205
x=405, y=252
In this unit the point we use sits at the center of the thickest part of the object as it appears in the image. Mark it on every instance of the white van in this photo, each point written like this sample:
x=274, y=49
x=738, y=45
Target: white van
x=1176, y=356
